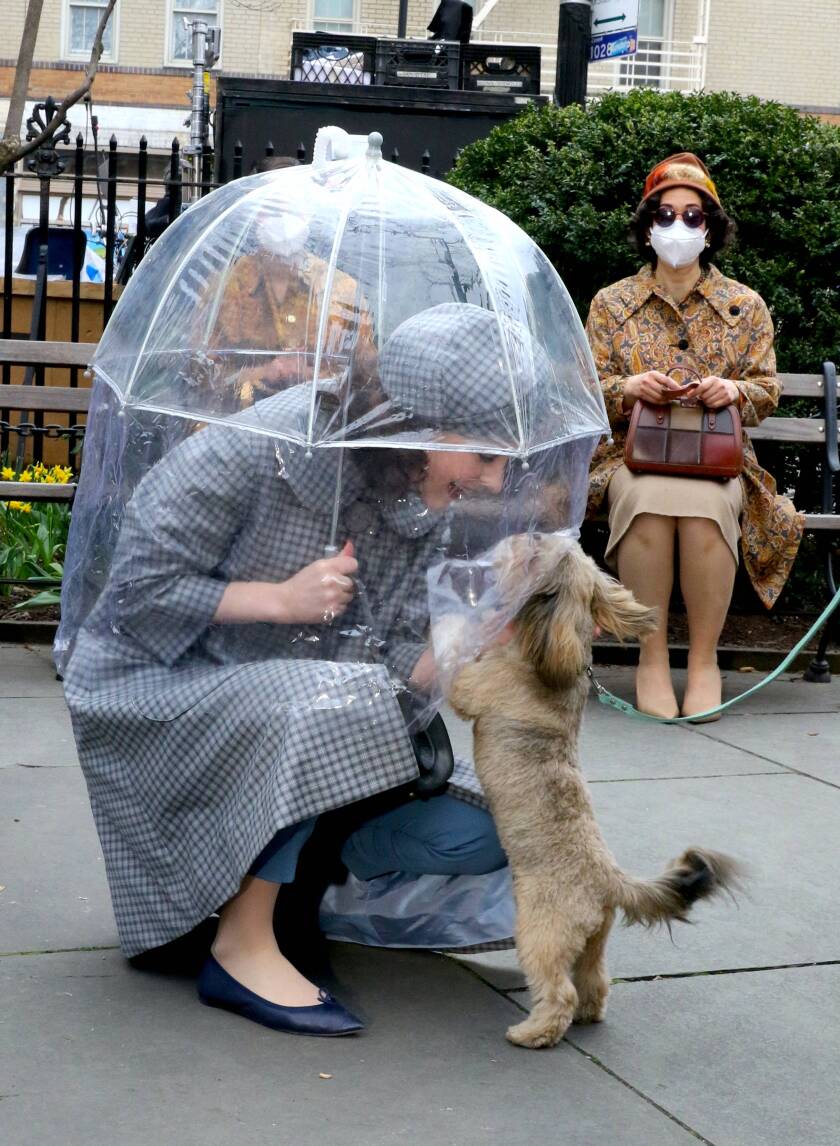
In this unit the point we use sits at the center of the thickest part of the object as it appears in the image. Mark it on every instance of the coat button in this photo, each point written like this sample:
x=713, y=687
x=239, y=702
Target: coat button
x=683, y=344
x=734, y=310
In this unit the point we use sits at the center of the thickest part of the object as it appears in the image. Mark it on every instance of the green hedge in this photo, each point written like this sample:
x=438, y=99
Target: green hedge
x=572, y=177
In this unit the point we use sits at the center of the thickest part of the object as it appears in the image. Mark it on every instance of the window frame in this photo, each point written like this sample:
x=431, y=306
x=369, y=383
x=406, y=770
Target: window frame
x=172, y=61
x=664, y=74
x=352, y=27
x=67, y=53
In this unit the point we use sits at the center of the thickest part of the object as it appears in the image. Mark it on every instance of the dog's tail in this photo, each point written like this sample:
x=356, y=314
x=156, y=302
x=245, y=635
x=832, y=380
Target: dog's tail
x=697, y=874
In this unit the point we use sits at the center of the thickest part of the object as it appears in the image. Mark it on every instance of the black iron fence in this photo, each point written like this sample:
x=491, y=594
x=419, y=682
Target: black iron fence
x=65, y=262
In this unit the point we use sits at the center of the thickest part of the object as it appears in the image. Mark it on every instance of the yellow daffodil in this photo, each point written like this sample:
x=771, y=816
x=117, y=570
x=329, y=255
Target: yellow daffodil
x=26, y=476
x=7, y=473
x=51, y=479
x=22, y=506
x=39, y=469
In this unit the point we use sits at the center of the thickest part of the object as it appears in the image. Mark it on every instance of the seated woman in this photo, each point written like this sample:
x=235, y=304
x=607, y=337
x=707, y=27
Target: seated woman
x=678, y=315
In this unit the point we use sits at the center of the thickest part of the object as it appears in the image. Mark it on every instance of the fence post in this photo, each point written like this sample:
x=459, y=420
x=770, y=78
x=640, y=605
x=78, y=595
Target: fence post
x=425, y=162
x=79, y=245
x=45, y=163
x=237, y=159
x=142, y=175
x=8, y=250
x=110, y=237
x=173, y=183
x=206, y=171
x=301, y=153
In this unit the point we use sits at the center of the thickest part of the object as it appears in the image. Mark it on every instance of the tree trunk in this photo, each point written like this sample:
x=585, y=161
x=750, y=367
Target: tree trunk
x=11, y=148
x=23, y=70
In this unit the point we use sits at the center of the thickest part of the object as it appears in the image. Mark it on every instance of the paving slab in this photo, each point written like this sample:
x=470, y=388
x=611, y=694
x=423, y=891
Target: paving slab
x=613, y=747
x=808, y=742
x=26, y=671
x=784, y=827
x=36, y=733
x=55, y=894
x=96, y=1054
x=745, y=1060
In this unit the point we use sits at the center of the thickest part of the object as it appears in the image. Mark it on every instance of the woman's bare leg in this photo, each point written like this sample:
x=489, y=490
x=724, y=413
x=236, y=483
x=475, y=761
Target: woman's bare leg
x=707, y=577
x=646, y=566
x=247, y=949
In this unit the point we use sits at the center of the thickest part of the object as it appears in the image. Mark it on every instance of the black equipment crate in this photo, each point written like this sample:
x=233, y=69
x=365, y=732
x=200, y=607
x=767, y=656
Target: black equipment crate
x=418, y=63
x=504, y=68
x=332, y=58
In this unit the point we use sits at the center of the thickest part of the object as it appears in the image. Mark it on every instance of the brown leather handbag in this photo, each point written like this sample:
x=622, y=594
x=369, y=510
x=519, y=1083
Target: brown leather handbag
x=686, y=439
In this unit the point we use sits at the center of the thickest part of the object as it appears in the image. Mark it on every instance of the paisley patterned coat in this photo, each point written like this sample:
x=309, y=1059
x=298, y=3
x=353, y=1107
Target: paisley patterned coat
x=721, y=328
x=268, y=305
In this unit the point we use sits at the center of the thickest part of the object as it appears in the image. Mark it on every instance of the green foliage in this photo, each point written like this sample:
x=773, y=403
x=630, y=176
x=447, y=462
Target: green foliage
x=33, y=537
x=572, y=177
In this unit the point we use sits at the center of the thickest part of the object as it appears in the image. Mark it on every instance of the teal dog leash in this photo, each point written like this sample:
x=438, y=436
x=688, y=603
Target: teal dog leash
x=612, y=701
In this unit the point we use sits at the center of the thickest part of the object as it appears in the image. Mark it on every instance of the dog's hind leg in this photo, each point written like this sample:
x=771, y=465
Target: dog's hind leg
x=590, y=975
x=543, y=946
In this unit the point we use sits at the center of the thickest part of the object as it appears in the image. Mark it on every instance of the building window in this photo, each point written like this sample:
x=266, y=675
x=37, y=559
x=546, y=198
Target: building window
x=180, y=38
x=647, y=67
x=83, y=18
x=333, y=15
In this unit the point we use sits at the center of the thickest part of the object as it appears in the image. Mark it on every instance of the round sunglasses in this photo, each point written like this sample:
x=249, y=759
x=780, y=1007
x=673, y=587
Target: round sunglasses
x=691, y=216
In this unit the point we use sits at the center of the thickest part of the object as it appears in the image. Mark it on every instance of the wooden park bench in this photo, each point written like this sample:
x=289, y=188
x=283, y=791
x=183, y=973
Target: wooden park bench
x=820, y=431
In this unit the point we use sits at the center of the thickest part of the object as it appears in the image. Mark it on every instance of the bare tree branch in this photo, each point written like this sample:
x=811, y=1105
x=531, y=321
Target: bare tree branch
x=26, y=54
x=12, y=149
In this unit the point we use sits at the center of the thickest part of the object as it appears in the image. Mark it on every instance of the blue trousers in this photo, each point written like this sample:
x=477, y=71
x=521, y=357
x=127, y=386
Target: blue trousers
x=439, y=836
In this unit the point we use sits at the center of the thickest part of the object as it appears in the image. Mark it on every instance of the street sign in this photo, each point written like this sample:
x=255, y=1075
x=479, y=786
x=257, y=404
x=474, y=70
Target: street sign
x=615, y=25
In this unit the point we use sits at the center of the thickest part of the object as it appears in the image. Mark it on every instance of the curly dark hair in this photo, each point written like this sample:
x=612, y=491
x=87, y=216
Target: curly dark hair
x=386, y=469
x=720, y=227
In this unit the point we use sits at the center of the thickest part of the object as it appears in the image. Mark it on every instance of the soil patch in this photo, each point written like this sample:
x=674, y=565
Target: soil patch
x=17, y=594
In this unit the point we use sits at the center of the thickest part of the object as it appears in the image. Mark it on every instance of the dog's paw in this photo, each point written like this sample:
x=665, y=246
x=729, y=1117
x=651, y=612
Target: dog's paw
x=528, y=1034
x=591, y=1012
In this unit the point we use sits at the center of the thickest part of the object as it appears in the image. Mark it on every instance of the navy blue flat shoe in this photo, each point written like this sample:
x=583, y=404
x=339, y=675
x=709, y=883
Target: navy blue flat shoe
x=216, y=988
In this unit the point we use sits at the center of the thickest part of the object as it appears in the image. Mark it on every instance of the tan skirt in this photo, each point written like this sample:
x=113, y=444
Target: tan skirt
x=630, y=494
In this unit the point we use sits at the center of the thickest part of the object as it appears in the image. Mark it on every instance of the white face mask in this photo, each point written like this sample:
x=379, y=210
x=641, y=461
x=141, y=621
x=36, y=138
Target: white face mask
x=677, y=245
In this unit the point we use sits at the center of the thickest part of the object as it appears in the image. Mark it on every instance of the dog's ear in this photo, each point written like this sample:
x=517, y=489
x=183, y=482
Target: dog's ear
x=550, y=639
x=615, y=609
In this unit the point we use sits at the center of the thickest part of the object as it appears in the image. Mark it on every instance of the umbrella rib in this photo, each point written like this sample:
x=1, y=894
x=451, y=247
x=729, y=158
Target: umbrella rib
x=328, y=281
x=481, y=263
x=173, y=278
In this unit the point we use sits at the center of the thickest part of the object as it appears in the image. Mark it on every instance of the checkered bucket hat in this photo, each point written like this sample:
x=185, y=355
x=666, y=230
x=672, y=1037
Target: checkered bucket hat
x=460, y=368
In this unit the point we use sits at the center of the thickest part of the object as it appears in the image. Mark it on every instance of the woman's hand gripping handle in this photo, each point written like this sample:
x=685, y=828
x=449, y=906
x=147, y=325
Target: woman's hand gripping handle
x=318, y=593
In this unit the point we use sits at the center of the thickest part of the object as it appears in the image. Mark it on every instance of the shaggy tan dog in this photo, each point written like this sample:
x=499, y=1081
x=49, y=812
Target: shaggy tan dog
x=526, y=698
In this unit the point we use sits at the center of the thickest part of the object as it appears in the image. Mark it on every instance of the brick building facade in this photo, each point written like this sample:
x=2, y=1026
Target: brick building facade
x=777, y=49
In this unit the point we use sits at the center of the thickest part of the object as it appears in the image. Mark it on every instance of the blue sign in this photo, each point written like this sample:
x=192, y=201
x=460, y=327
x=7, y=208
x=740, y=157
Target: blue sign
x=611, y=45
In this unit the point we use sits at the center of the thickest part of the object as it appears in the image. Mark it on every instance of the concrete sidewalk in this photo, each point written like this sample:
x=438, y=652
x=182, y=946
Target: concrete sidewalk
x=729, y=1035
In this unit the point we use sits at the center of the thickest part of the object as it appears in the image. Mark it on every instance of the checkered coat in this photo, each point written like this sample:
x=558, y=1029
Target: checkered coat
x=200, y=741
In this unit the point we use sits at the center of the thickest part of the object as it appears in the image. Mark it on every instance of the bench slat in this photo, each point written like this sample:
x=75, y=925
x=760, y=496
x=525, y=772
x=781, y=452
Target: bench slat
x=22, y=352
x=55, y=398
x=788, y=430
x=36, y=491
x=801, y=385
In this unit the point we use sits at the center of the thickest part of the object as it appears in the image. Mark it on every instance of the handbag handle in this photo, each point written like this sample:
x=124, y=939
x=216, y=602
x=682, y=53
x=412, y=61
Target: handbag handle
x=695, y=376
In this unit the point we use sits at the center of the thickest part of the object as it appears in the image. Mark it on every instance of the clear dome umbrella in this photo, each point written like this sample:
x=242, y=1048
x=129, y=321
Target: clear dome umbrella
x=312, y=305
x=344, y=356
